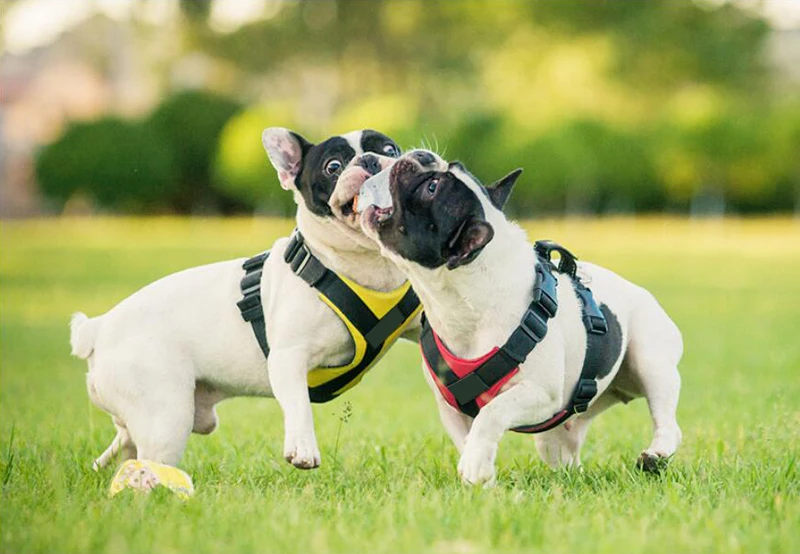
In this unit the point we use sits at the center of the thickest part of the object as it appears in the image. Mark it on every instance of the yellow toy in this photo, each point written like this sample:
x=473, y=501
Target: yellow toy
x=145, y=475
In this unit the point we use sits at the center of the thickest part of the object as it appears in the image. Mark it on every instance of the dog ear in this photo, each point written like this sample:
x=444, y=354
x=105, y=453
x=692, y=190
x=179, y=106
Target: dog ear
x=501, y=189
x=285, y=149
x=470, y=239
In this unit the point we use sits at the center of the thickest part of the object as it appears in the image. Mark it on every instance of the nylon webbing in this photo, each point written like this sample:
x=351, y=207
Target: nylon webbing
x=531, y=331
x=374, y=330
x=250, y=305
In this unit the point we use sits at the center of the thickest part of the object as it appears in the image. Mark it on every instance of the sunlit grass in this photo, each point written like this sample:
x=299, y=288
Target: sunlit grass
x=732, y=287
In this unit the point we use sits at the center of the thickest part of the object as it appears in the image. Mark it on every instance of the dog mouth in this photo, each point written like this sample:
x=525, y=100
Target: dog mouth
x=375, y=217
x=348, y=208
x=457, y=234
x=382, y=215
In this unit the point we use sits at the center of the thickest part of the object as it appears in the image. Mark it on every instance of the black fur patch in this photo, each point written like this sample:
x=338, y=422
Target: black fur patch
x=373, y=141
x=430, y=210
x=315, y=184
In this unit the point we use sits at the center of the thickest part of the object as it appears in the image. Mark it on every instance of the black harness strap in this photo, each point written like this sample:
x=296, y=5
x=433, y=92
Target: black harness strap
x=310, y=269
x=250, y=305
x=306, y=266
x=531, y=331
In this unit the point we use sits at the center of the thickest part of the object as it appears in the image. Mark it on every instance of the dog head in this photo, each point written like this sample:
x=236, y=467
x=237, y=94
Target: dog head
x=436, y=215
x=311, y=171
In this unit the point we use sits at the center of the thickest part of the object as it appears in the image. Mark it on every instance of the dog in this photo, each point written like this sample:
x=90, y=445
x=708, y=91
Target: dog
x=161, y=359
x=478, y=279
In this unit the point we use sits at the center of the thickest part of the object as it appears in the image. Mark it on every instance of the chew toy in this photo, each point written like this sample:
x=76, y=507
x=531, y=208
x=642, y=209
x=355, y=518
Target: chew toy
x=145, y=475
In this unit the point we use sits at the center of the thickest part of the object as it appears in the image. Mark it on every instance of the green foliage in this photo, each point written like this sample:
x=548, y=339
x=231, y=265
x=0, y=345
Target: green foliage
x=122, y=165
x=241, y=169
x=733, y=485
x=608, y=105
x=196, y=11
x=582, y=166
x=661, y=43
x=191, y=122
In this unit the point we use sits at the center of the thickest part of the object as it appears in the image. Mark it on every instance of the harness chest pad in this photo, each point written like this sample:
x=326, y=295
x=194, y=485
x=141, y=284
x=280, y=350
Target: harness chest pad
x=374, y=319
x=469, y=384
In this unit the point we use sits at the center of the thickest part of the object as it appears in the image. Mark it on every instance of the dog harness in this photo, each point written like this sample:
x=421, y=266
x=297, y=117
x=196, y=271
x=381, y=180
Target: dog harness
x=374, y=319
x=469, y=384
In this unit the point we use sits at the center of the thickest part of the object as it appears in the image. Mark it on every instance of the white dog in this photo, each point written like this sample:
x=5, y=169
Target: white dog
x=161, y=359
x=512, y=342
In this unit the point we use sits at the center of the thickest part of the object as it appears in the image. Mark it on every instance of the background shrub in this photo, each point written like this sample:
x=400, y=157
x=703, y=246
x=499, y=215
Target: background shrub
x=191, y=123
x=121, y=165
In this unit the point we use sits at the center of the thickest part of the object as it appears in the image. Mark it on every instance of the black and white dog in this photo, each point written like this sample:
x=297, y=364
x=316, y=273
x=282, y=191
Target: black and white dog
x=475, y=271
x=161, y=359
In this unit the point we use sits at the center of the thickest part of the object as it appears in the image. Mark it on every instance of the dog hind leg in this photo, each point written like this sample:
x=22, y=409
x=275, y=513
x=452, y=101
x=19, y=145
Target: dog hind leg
x=653, y=355
x=122, y=443
x=155, y=397
x=561, y=447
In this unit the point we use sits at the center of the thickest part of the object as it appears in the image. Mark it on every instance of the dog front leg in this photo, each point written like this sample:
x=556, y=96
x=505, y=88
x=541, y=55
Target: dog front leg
x=454, y=422
x=522, y=404
x=288, y=371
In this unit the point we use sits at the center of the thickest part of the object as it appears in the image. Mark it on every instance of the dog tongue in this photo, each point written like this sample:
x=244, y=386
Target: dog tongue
x=374, y=192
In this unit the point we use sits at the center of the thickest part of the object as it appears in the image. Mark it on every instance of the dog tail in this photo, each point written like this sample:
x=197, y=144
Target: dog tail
x=83, y=334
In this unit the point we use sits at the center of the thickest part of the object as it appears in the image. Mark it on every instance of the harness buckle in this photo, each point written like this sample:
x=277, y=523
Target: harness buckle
x=255, y=262
x=295, y=242
x=568, y=262
x=300, y=259
x=593, y=318
x=595, y=325
x=251, y=282
x=534, y=325
x=544, y=290
x=584, y=392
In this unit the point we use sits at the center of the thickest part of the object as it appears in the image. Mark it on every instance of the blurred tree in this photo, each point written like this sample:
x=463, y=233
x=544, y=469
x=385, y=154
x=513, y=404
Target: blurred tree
x=191, y=123
x=608, y=105
x=662, y=43
x=197, y=11
x=121, y=165
x=732, y=161
x=242, y=172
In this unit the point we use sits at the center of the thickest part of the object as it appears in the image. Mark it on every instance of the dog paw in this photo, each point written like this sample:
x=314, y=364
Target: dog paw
x=302, y=454
x=476, y=466
x=652, y=462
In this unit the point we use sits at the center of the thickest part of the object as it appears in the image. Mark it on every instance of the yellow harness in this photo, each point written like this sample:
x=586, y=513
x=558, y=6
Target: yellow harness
x=374, y=319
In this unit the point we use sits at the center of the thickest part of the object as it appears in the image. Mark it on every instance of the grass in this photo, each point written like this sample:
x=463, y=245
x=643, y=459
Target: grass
x=732, y=287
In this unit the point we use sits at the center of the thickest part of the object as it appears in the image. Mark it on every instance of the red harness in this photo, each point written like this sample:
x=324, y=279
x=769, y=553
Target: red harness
x=469, y=384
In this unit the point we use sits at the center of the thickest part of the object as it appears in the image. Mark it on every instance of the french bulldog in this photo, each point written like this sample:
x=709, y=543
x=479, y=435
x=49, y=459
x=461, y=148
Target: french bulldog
x=474, y=271
x=161, y=359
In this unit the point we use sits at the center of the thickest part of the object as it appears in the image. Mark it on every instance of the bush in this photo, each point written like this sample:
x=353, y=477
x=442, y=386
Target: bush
x=242, y=172
x=582, y=166
x=589, y=166
x=739, y=160
x=192, y=122
x=122, y=165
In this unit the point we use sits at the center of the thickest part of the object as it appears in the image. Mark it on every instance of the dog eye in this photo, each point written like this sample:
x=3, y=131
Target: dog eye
x=391, y=150
x=333, y=167
x=432, y=184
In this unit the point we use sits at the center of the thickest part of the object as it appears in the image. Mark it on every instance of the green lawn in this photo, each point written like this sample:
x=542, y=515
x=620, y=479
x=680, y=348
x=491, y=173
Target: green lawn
x=388, y=481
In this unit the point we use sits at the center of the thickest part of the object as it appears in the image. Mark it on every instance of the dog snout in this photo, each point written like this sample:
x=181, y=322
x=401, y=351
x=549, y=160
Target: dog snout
x=424, y=157
x=370, y=163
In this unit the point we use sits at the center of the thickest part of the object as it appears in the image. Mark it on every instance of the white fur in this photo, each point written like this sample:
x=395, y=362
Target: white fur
x=162, y=358
x=476, y=307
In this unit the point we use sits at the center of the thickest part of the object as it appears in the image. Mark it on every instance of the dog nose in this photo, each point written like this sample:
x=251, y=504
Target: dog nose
x=423, y=157
x=370, y=163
